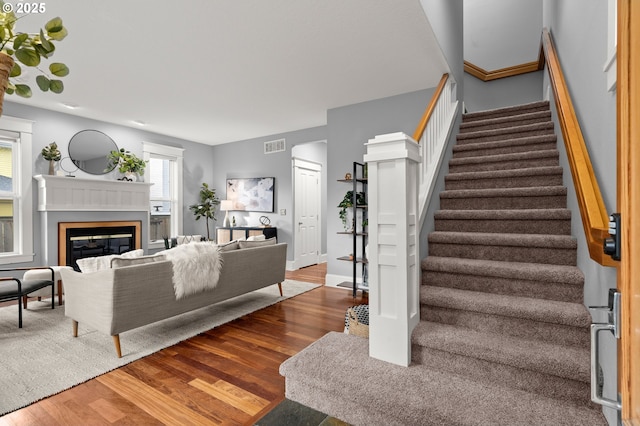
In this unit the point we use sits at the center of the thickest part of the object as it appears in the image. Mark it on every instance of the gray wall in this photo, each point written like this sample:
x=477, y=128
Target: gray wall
x=57, y=127
x=480, y=95
x=579, y=30
x=349, y=128
x=245, y=159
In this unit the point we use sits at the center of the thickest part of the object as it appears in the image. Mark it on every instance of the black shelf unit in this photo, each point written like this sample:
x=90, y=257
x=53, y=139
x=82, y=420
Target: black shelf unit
x=359, y=236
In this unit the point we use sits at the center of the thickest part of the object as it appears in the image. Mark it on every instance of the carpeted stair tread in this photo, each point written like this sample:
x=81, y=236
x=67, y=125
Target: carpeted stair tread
x=530, y=155
x=506, y=111
x=510, y=240
x=562, y=361
x=336, y=375
x=508, y=221
x=537, y=191
x=533, y=176
x=506, y=146
x=545, y=311
x=563, y=274
x=505, y=133
x=519, y=214
x=508, y=121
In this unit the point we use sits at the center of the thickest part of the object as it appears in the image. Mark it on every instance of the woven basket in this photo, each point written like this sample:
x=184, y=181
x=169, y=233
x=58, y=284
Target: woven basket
x=356, y=327
x=6, y=64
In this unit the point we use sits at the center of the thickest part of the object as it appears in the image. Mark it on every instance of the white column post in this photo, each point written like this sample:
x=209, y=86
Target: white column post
x=394, y=298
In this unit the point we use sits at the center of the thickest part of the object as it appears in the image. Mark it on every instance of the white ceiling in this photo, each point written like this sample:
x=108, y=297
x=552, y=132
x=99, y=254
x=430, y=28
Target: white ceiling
x=228, y=70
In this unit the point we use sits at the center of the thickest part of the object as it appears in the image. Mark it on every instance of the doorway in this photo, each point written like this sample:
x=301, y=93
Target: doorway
x=307, y=212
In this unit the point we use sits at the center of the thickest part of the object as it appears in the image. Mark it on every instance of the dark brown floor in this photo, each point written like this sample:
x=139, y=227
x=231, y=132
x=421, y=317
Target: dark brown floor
x=228, y=375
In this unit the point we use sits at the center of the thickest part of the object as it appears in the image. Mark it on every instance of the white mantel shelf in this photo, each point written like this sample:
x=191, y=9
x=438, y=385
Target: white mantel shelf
x=60, y=193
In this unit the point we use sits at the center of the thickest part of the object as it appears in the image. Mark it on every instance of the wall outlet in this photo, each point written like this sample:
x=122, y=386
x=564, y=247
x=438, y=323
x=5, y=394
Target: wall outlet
x=283, y=212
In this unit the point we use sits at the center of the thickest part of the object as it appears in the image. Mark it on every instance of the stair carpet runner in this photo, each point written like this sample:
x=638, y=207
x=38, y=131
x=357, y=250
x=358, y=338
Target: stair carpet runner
x=504, y=335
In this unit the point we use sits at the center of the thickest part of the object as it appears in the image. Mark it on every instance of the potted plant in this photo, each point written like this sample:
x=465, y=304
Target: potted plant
x=345, y=206
x=51, y=153
x=28, y=49
x=207, y=206
x=127, y=163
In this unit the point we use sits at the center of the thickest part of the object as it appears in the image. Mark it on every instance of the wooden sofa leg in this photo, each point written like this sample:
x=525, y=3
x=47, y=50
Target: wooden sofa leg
x=75, y=328
x=116, y=342
x=280, y=288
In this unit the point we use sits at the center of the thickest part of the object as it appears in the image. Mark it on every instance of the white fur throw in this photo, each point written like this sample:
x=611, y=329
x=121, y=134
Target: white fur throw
x=196, y=267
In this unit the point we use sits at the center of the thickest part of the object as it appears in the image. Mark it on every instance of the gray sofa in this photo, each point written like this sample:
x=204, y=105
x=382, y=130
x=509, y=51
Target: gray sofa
x=120, y=299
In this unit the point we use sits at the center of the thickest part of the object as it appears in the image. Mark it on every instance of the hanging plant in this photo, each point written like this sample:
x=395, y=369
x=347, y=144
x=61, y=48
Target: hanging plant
x=207, y=206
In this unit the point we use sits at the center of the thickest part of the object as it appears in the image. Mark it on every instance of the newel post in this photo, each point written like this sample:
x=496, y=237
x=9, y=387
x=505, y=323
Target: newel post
x=394, y=267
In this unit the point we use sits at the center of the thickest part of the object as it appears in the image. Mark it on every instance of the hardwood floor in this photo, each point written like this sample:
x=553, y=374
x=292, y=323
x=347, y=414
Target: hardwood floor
x=228, y=375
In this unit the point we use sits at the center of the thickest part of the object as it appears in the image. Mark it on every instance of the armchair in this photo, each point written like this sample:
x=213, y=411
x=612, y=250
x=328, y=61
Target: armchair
x=12, y=288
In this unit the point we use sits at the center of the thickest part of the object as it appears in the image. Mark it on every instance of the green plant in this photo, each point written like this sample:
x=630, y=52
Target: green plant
x=51, y=152
x=207, y=206
x=29, y=48
x=126, y=161
x=347, y=202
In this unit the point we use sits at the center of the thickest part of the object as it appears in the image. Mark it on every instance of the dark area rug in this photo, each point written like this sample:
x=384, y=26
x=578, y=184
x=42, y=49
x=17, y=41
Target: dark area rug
x=291, y=413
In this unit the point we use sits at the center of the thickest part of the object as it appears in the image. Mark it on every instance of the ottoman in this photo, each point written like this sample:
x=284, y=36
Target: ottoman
x=45, y=274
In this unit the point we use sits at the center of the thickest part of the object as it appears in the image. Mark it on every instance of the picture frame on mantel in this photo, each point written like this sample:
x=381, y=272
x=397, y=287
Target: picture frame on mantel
x=252, y=194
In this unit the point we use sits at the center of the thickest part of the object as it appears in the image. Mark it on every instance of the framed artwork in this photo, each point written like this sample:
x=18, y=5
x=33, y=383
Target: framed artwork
x=251, y=194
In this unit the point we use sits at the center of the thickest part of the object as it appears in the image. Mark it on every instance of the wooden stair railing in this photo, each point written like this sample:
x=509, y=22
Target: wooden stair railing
x=595, y=218
x=417, y=135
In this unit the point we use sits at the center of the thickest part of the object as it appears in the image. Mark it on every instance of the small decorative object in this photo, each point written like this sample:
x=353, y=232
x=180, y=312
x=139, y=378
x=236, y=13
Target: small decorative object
x=166, y=242
x=207, y=206
x=265, y=221
x=28, y=49
x=347, y=176
x=345, y=206
x=127, y=163
x=68, y=166
x=365, y=171
x=52, y=154
x=233, y=221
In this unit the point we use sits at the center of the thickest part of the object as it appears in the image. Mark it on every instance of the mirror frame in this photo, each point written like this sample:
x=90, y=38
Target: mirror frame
x=92, y=146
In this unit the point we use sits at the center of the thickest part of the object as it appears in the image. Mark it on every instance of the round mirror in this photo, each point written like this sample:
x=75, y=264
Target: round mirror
x=88, y=150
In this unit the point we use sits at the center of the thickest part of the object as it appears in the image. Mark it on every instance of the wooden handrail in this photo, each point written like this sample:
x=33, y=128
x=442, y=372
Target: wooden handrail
x=417, y=135
x=595, y=219
x=485, y=75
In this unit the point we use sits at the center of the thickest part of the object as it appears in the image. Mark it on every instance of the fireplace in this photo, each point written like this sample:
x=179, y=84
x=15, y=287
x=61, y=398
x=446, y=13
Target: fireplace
x=77, y=240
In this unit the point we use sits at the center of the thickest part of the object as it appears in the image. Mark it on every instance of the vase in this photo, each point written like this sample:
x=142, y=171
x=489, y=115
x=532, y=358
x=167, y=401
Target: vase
x=52, y=167
x=132, y=177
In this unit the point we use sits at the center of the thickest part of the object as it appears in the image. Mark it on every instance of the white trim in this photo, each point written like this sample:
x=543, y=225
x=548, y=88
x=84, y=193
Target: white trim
x=611, y=63
x=306, y=164
x=176, y=155
x=23, y=244
x=332, y=280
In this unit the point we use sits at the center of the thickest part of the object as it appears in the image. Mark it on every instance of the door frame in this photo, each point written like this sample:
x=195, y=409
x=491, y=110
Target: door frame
x=628, y=203
x=315, y=166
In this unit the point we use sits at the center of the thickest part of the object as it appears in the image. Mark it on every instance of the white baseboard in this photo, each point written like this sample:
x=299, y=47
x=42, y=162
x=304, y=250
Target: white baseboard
x=332, y=280
x=291, y=264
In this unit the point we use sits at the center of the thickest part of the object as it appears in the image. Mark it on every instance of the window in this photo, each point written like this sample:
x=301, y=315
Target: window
x=16, y=215
x=164, y=171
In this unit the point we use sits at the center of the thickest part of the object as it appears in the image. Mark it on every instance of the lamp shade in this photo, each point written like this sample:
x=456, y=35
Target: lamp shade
x=226, y=205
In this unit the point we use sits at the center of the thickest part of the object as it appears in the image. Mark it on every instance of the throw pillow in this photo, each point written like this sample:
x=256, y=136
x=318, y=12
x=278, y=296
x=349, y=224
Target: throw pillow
x=250, y=244
x=98, y=263
x=260, y=237
x=119, y=262
x=231, y=245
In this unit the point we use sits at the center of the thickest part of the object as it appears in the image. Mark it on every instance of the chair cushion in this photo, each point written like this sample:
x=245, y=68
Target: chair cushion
x=9, y=289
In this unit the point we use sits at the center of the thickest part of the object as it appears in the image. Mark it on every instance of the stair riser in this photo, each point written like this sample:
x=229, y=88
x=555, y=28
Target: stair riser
x=500, y=203
x=486, y=166
x=507, y=286
x=480, y=152
x=487, y=115
x=490, y=372
x=502, y=182
x=516, y=121
x=549, y=227
x=501, y=137
x=551, y=256
x=510, y=326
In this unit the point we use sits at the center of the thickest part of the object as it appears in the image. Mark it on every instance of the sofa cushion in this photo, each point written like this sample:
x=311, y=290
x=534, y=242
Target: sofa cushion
x=119, y=262
x=260, y=237
x=249, y=244
x=231, y=245
x=92, y=264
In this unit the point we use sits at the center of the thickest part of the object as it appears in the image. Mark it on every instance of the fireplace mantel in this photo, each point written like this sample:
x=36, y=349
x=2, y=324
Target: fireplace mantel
x=60, y=193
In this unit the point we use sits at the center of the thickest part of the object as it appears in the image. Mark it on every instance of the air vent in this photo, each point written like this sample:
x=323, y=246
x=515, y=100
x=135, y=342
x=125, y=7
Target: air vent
x=274, y=146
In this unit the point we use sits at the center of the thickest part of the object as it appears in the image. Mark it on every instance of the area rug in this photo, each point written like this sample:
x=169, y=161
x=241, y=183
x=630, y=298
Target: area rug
x=43, y=358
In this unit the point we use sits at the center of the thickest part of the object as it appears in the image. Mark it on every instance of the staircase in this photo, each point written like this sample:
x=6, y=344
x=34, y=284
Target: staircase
x=504, y=335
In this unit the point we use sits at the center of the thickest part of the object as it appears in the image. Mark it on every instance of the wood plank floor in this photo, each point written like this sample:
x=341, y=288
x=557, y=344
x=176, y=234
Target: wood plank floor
x=228, y=375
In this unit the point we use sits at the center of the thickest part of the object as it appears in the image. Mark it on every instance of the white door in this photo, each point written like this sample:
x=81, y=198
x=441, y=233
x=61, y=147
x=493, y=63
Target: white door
x=307, y=213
